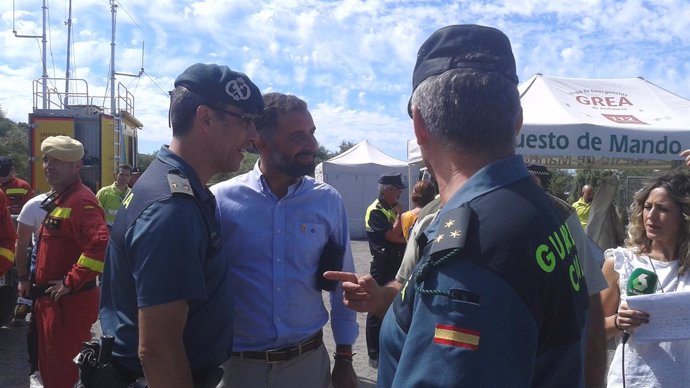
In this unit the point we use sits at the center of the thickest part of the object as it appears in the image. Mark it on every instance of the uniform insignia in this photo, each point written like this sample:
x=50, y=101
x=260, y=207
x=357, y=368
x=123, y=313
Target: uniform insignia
x=128, y=199
x=452, y=232
x=456, y=336
x=179, y=184
x=52, y=223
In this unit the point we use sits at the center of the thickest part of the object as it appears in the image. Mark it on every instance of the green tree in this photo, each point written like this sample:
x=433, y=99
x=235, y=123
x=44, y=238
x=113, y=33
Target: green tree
x=561, y=183
x=344, y=146
x=144, y=160
x=246, y=165
x=15, y=144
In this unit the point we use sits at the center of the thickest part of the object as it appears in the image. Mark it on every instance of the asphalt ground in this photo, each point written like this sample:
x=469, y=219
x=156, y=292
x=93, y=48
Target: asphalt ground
x=14, y=368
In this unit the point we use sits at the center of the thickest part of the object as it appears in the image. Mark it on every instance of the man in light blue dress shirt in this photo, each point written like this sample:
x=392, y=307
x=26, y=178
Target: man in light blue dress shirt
x=279, y=223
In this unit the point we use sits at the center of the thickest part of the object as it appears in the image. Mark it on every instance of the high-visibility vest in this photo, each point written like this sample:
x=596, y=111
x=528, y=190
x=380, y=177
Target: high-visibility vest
x=376, y=205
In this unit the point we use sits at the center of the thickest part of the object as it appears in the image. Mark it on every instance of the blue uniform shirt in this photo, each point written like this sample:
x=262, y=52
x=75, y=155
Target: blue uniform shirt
x=506, y=310
x=165, y=246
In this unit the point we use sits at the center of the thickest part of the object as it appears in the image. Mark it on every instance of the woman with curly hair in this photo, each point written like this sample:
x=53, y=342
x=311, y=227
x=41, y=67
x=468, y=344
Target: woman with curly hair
x=657, y=242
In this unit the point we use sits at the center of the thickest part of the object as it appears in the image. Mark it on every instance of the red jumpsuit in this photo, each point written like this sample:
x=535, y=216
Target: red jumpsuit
x=71, y=248
x=18, y=191
x=8, y=236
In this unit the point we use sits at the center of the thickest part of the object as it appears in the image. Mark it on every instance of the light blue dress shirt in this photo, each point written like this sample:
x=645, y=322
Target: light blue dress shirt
x=274, y=245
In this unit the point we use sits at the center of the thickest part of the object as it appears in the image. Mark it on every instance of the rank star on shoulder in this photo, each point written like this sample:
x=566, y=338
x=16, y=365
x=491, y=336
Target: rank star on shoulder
x=455, y=234
x=450, y=223
x=439, y=238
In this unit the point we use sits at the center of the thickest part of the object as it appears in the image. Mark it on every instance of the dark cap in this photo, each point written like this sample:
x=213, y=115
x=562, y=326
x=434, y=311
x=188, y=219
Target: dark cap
x=393, y=180
x=219, y=83
x=455, y=47
x=540, y=172
x=5, y=166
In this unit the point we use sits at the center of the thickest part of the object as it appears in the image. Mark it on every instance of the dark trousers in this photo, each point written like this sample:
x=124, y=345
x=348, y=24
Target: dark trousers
x=383, y=269
x=372, y=331
x=32, y=344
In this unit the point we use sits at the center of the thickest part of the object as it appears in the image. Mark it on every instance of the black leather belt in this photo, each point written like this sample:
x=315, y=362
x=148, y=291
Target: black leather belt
x=39, y=291
x=286, y=353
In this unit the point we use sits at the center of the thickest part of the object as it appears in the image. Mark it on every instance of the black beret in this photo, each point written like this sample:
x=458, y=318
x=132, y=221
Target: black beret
x=452, y=47
x=220, y=84
x=393, y=180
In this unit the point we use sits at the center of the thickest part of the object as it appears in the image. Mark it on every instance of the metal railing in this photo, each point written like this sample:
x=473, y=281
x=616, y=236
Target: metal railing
x=63, y=93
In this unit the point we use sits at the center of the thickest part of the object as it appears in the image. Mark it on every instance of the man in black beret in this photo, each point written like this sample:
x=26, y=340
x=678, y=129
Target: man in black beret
x=498, y=298
x=386, y=244
x=166, y=297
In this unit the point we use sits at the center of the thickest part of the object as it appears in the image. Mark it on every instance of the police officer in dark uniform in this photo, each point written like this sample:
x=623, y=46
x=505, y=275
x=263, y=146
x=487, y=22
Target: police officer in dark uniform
x=166, y=297
x=499, y=298
x=387, y=245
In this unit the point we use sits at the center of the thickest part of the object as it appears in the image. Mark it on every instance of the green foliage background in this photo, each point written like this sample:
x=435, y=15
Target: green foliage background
x=14, y=142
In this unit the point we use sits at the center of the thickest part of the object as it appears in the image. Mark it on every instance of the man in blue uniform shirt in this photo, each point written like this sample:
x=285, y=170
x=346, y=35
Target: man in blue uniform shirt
x=285, y=229
x=499, y=297
x=166, y=290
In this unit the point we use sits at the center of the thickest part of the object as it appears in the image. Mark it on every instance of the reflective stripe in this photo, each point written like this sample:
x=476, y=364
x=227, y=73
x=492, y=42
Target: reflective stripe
x=61, y=212
x=4, y=252
x=16, y=191
x=92, y=264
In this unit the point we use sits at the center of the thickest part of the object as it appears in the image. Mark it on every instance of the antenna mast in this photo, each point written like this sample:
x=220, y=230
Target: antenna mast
x=69, y=42
x=113, y=11
x=44, y=41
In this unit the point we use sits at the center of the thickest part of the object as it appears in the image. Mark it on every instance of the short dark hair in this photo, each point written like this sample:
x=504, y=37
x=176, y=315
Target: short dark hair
x=124, y=167
x=276, y=104
x=473, y=110
x=183, y=105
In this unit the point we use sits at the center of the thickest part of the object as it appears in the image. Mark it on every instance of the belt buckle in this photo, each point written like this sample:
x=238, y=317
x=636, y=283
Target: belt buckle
x=287, y=352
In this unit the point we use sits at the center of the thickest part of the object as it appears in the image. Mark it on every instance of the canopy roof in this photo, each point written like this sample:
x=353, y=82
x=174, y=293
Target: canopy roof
x=365, y=153
x=602, y=123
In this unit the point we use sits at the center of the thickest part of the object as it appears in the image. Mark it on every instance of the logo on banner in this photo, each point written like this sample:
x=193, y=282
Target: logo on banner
x=624, y=119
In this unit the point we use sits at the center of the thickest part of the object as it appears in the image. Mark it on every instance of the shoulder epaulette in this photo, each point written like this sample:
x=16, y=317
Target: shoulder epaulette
x=179, y=184
x=452, y=230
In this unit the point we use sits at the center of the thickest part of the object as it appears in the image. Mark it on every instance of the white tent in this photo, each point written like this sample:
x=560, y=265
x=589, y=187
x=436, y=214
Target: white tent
x=597, y=123
x=355, y=174
x=601, y=123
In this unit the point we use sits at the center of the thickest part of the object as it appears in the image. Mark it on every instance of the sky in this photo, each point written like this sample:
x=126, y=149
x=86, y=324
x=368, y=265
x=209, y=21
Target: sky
x=350, y=60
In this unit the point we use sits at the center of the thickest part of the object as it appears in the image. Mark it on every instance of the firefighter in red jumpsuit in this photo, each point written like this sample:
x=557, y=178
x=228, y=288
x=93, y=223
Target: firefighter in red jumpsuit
x=18, y=191
x=70, y=253
x=8, y=236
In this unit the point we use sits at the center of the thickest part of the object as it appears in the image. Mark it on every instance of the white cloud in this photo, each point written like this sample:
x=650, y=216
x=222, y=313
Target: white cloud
x=350, y=60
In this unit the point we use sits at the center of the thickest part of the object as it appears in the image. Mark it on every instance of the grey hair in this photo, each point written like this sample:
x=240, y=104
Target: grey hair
x=472, y=110
x=383, y=188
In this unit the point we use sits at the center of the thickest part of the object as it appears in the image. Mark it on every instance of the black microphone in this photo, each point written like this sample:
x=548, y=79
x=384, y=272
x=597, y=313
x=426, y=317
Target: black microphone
x=641, y=282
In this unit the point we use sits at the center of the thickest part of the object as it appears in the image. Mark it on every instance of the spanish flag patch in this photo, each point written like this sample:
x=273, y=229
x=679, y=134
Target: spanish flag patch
x=456, y=336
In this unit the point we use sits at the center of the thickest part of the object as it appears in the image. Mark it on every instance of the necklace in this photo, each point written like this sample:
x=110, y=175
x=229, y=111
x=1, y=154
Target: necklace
x=657, y=275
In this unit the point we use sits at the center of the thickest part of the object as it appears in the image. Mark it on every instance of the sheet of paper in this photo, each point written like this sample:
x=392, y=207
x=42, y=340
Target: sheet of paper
x=669, y=316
